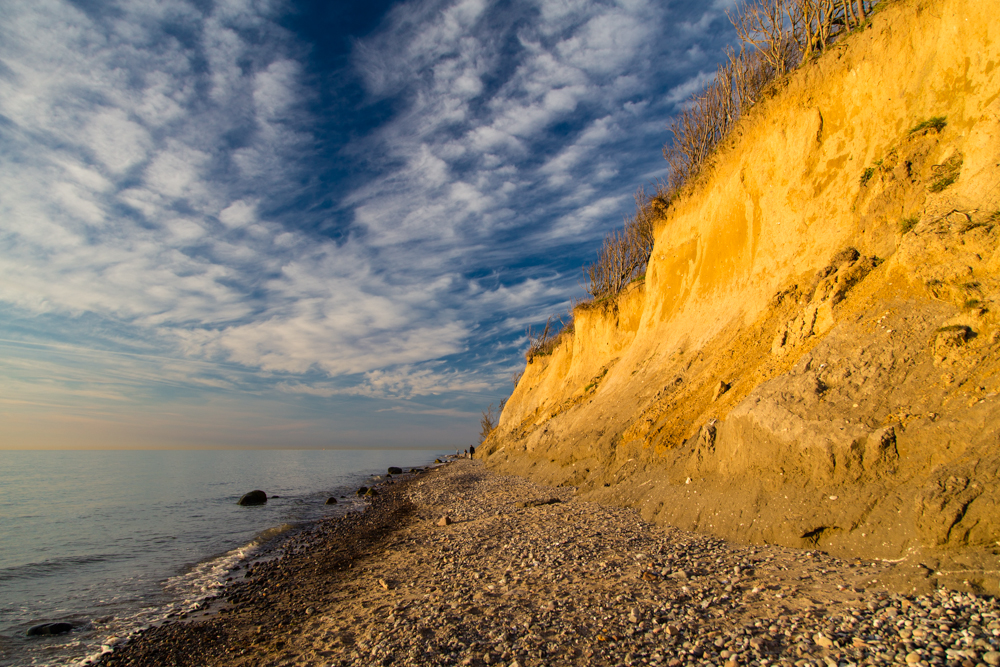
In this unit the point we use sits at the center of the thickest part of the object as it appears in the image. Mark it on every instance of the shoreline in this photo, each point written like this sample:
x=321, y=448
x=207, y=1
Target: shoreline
x=525, y=574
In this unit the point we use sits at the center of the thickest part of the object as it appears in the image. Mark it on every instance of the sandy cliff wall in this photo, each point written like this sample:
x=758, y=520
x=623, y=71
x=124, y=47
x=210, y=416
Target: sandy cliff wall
x=812, y=359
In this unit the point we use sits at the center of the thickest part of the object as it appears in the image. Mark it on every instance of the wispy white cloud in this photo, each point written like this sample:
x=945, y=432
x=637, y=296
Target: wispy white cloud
x=162, y=182
x=403, y=382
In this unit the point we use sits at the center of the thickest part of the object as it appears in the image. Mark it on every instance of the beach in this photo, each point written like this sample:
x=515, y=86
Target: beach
x=522, y=574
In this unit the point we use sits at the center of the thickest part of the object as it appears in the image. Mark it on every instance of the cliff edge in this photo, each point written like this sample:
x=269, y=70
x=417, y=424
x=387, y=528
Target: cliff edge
x=812, y=359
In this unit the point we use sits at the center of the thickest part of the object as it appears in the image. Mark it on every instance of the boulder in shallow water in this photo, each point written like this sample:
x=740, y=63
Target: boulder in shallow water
x=363, y=490
x=371, y=493
x=331, y=501
x=47, y=629
x=255, y=497
x=393, y=470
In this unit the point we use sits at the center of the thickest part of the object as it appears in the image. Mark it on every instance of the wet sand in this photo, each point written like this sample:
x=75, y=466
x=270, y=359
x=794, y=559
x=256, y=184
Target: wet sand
x=527, y=575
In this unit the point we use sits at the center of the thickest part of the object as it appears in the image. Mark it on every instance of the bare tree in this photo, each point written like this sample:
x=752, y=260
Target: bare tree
x=490, y=420
x=763, y=24
x=625, y=253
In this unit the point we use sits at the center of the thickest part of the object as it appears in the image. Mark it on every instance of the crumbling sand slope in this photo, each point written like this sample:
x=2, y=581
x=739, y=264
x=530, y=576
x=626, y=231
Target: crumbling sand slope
x=813, y=357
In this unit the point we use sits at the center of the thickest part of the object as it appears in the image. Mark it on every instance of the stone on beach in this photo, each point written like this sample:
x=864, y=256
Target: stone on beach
x=559, y=584
x=393, y=470
x=444, y=521
x=48, y=629
x=255, y=497
x=331, y=501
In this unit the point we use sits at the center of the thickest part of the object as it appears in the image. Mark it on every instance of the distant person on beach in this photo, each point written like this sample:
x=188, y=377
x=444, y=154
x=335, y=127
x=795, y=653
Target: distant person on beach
x=472, y=451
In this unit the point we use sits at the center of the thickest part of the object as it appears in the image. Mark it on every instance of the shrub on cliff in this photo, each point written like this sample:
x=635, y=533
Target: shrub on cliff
x=489, y=421
x=542, y=343
x=625, y=253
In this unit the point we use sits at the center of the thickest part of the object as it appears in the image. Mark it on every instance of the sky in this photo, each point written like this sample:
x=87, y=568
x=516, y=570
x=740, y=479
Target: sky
x=258, y=223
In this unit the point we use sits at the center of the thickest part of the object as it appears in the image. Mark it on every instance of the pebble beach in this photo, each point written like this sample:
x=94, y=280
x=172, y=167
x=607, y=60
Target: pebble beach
x=459, y=565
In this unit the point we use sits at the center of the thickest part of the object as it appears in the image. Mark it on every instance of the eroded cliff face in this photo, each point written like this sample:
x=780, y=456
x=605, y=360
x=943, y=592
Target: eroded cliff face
x=813, y=357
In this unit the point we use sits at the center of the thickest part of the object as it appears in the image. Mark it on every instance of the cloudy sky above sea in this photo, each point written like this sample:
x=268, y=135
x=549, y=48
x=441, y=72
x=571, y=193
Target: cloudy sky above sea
x=257, y=223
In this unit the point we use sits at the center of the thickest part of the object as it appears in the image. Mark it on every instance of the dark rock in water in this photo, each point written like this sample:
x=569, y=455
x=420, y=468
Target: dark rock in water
x=256, y=497
x=47, y=629
x=363, y=490
x=331, y=501
x=273, y=497
x=393, y=470
x=371, y=493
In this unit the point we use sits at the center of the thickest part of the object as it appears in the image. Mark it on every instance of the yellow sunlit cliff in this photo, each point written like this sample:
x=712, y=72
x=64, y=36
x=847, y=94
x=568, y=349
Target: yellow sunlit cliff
x=812, y=359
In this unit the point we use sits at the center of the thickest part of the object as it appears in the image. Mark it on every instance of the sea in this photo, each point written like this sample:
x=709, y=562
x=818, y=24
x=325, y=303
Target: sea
x=114, y=541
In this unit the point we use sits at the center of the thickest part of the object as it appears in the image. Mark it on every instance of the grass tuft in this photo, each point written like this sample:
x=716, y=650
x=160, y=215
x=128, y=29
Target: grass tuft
x=937, y=123
x=906, y=225
x=946, y=174
x=866, y=176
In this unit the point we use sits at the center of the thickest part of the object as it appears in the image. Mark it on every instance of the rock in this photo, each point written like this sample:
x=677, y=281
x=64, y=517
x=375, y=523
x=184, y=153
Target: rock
x=913, y=658
x=48, y=629
x=331, y=501
x=393, y=470
x=255, y=497
x=822, y=640
x=371, y=493
x=363, y=490
x=538, y=503
x=310, y=611
x=720, y=389
x=992, y=658
x=444, y=521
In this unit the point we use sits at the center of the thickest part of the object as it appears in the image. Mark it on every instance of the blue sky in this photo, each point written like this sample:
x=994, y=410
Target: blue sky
x=253, y=223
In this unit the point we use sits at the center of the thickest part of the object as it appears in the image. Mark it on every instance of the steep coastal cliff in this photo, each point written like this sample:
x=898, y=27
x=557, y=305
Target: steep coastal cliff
x=812, y=359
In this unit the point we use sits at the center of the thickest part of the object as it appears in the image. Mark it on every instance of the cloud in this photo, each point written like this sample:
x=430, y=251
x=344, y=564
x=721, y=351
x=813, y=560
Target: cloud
x=403, y=382
x=175, y=184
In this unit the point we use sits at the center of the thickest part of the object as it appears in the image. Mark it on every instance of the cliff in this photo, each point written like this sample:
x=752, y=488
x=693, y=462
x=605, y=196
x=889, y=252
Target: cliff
x=812, y=359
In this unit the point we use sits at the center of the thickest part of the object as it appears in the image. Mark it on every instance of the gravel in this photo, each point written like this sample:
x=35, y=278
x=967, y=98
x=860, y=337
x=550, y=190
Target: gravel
x=524, y=574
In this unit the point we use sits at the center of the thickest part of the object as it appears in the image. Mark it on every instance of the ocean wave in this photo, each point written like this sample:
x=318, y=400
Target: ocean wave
x=48, y=567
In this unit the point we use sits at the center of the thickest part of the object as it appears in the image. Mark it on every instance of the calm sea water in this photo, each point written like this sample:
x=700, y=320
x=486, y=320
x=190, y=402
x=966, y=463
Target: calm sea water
x=113, y=540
